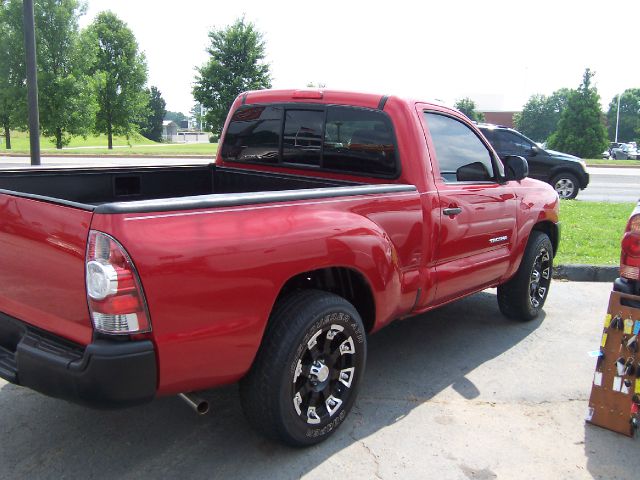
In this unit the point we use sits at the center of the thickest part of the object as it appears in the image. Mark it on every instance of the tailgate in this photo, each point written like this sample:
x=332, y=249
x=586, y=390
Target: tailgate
x=42, y=266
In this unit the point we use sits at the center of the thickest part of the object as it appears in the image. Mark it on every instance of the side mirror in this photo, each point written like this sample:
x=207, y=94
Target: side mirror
x=516, y=167
x=473, y=172
x=534, y=151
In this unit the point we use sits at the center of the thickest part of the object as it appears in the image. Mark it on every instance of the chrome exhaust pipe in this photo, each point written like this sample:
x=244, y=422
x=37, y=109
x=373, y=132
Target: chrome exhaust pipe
x=199, y=405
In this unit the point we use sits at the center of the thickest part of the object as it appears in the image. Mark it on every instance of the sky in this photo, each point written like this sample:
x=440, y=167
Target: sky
x=498, y=53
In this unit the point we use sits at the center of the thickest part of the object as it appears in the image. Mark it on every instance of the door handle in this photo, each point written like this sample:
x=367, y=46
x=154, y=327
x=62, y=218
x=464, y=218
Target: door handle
x=452, y=211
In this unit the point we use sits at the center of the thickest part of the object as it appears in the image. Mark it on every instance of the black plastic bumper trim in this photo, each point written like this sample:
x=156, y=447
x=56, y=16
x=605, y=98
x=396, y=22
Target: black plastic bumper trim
x=105, y=374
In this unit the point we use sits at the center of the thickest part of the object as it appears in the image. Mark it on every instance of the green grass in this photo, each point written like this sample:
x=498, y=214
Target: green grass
x=591, y=232
x=601, y=161
x=97, y=145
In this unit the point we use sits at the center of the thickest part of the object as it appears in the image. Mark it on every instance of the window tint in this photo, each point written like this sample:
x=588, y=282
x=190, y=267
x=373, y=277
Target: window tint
x=254, y=134
x=511, y=144
x=302, y=139
x=336, y=138
x=458, y=146
x=358, y=140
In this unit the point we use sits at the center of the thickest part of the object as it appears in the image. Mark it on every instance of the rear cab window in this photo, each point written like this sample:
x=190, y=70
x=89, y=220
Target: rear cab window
x=333, y=138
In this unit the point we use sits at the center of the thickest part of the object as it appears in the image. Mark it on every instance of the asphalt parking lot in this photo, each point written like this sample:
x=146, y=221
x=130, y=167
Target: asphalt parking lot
x=458, y=393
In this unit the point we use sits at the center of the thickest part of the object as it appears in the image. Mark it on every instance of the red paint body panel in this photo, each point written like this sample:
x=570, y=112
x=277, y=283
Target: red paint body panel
x=211, y=276
x=42, y=252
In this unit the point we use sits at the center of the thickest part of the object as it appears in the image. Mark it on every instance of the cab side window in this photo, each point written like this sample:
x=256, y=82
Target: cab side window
x=460, y=154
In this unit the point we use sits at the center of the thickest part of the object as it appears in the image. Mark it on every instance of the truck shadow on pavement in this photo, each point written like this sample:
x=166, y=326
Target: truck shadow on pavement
x=409, y=363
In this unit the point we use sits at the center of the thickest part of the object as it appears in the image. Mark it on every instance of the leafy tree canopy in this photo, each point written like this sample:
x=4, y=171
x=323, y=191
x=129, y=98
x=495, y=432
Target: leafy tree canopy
x=175, y=117
x=12, y=69
x=468, y=107
x=121, y=73
x=236, y=65
x=581, y=128
x=151, y=126
x=66, y=91
x=629, y=122
x=540, y=116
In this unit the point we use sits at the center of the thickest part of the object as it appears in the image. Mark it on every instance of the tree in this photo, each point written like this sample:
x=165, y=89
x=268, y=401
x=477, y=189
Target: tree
x=629, y=124
x=12, y=69
x=121, y=72
x=581, y=129
x=468, y=107
x=66, y=91
x=540, y=115
x=175, y=117
x=199, y=115
x=151, y=126
x=236, y=65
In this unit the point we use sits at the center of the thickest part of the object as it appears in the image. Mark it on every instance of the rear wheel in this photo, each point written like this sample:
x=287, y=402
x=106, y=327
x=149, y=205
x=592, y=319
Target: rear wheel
x=566, y=185
x=523, y=297
x=306, y=375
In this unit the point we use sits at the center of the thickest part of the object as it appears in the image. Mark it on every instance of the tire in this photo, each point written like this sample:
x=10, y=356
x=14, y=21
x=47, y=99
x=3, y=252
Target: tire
x=307, y=372
x=566, y=185
x=523, y=297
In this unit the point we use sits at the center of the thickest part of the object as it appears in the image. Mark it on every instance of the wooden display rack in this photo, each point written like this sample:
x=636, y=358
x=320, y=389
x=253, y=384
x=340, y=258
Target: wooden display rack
x=611, y=405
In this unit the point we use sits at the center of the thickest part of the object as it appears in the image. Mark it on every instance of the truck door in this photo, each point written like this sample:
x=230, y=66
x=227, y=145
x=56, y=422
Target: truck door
x=477, y=211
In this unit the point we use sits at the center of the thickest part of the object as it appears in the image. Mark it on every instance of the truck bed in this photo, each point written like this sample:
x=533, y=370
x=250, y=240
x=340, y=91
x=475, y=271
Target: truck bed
x=47, y=215
x=88, y=188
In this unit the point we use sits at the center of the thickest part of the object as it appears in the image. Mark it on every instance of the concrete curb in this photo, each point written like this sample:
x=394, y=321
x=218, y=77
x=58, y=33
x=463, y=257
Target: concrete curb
x=612, y=166
x=586, y=273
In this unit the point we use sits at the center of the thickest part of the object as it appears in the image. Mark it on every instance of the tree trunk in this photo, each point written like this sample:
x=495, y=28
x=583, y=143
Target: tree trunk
x=110, y=136
x=59, y=138
x=7, y=136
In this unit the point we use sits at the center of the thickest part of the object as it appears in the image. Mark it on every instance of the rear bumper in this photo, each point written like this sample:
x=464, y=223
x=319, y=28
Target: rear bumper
x=584, y=181
x=104, y=374
x=625, y=285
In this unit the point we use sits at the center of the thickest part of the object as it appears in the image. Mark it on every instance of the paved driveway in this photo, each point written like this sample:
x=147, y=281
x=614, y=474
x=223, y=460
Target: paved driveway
x=459, y=393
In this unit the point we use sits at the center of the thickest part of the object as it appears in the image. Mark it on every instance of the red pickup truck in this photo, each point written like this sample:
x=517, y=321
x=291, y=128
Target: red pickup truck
x=326, y=216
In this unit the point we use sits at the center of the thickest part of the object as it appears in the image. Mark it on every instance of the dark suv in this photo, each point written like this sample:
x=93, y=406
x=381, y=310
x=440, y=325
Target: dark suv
x=566, y=173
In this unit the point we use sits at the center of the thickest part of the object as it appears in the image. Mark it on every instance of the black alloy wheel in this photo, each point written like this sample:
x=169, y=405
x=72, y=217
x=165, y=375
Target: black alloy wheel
x=324, y=374
x=523, y=297
x=307, y=372
x=540, y=278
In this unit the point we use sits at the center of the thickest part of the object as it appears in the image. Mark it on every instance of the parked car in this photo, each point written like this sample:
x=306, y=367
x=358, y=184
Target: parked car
x=625, y=151
x=269, y=267
x=606, y=154
x=629, y=280
x=566, y=173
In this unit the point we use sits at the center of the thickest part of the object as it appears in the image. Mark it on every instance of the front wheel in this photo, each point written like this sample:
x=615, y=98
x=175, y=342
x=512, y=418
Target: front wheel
x=306, y=375
x=523, y=297
x=566, y=185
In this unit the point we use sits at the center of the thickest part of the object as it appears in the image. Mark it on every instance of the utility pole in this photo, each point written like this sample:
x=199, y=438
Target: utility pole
x=32, y=80
x=618, y=117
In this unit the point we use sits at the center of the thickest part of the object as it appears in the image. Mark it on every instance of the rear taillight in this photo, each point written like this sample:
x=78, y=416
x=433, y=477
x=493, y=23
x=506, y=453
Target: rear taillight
x=630, y=255
x=114, y=292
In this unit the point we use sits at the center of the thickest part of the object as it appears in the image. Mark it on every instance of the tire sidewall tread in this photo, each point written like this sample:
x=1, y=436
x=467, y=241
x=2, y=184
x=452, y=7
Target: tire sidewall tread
x=293, y=321
x=513, y=296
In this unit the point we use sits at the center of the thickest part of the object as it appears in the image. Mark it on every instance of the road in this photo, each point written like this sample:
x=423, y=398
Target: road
x=612, y=185
x=460, y=393
x=606, y=184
